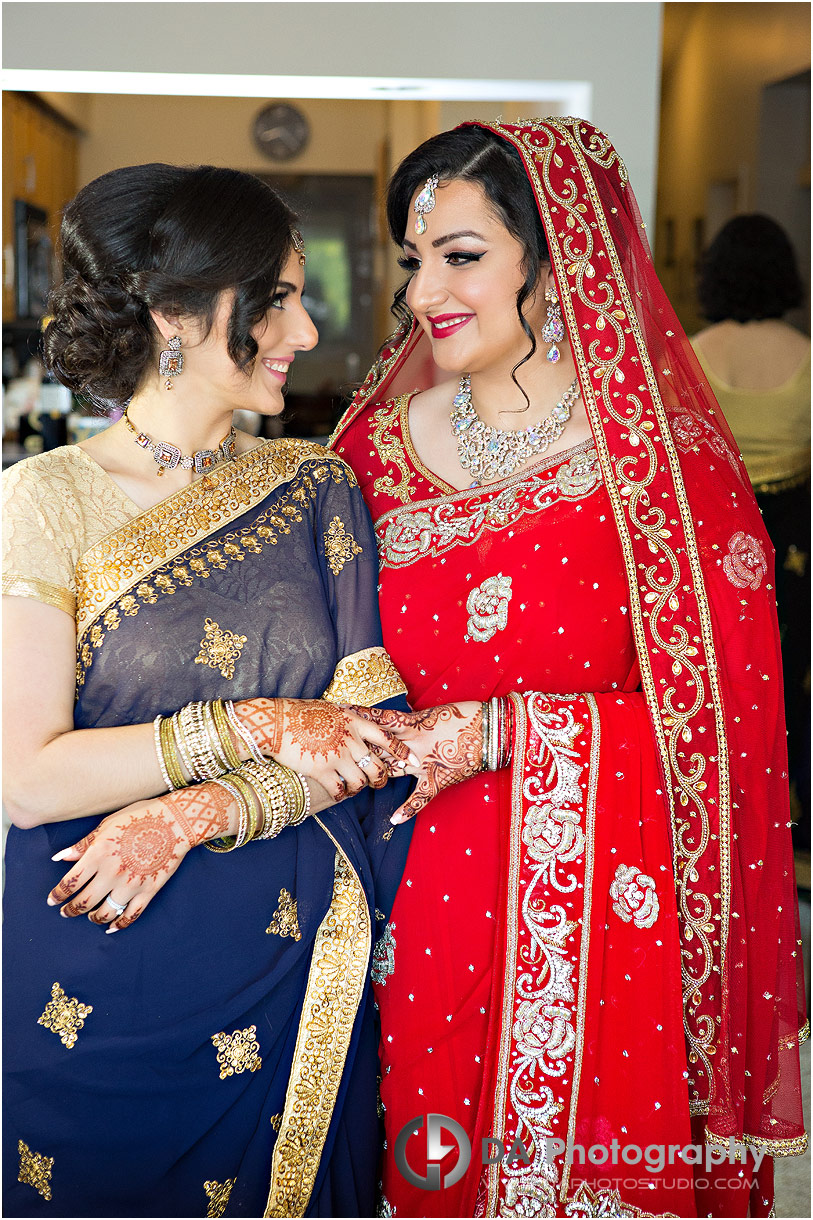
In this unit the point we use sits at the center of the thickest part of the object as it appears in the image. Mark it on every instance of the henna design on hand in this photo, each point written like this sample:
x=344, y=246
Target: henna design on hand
x=64, y=888
x=450, y=760
x=124, y=921
x=76, y=907
x=319, y=729
x=146, y=848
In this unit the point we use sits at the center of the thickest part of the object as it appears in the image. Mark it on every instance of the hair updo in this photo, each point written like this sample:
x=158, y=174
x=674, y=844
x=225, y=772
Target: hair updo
x=165, y=237
x=474, y=154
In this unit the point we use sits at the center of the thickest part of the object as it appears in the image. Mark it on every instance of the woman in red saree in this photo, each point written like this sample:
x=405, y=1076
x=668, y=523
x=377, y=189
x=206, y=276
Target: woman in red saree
x=597, y=944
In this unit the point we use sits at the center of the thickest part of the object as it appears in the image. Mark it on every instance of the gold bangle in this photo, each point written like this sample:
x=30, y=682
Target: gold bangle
x=224, y=731
x=252, y=807
x=156, y=733
x=171, y=762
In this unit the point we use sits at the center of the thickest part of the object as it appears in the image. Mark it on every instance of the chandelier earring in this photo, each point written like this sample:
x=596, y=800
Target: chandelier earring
x=170, y=361
x=553, y=331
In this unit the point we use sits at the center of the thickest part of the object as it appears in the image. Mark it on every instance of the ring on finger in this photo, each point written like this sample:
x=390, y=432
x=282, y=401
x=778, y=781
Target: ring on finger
x=364, y=762
x=118, y=907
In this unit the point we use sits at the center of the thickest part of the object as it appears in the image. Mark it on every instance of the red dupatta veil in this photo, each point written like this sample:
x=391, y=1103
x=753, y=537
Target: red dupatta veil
x=699, y=568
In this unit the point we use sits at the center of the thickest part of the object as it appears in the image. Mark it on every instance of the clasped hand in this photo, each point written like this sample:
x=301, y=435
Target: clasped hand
x=447, y=740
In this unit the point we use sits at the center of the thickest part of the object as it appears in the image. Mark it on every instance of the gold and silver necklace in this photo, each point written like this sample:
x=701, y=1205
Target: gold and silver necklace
x=495, y=453
x=168, y=456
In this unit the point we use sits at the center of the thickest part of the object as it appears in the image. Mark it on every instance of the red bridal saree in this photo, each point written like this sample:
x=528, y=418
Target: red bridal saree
x=593, y=956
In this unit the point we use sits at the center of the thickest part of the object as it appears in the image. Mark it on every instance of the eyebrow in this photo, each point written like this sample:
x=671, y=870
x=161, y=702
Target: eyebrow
x=441, y=241
x=284, y=284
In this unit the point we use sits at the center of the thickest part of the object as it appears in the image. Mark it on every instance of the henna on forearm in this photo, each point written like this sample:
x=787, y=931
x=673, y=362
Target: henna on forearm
x=264, y=719
x=202, y=813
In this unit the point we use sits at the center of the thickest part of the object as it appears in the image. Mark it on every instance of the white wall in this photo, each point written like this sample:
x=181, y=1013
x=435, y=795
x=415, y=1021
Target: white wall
x=614, y=46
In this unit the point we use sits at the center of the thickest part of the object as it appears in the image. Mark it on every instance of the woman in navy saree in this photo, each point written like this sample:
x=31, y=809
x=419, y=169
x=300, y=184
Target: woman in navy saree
x=219, y=1057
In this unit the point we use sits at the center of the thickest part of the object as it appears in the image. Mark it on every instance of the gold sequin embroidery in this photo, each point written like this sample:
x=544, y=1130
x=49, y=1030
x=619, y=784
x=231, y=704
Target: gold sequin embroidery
x=285, y=922
x=218, y=1195
x=390, y=448
x=365, y=678
x=200, y=560
x=35, y=1170
x=340, y=546
x=64, y=1015
x=167, y=532
x=220, y=649
x=334, y=990
x=238, y=1052
x=276, y=1119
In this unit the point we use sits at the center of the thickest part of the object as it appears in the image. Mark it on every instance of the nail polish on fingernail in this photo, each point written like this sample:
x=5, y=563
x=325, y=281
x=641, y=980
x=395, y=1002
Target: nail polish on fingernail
x=51, y=902
x=64, y=916
x=414, y=759
x=60, y=855
x=111, y=929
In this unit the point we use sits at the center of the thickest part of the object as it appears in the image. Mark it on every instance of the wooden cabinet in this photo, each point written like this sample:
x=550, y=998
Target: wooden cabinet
x=40, y=158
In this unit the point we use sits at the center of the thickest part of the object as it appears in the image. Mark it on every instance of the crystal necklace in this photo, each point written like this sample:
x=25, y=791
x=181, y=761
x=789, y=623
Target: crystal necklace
x=494, y=453
x=169, y=456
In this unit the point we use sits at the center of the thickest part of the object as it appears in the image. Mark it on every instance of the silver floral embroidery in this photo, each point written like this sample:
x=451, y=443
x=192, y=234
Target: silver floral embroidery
x=579, y=476
x=543, y=1029
x=487, y=606
x=745, y=564
x=635, y=899
x=383, y=956
x=409, y=534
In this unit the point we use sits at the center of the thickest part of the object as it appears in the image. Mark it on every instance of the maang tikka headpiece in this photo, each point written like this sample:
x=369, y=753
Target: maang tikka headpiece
x=424, y=203
x=298, y=243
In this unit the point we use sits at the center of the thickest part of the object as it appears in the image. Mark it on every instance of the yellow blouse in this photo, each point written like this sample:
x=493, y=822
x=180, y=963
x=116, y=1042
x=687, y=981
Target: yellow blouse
x=55, y=506
x=771, y=427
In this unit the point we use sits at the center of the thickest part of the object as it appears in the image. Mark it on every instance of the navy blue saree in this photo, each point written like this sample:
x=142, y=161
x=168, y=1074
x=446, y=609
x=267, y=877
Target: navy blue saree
x=219, y=1056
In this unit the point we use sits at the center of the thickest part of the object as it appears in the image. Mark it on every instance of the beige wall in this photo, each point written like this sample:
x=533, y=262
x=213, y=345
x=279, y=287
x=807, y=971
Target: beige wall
x=717, y=58
x=345, y=136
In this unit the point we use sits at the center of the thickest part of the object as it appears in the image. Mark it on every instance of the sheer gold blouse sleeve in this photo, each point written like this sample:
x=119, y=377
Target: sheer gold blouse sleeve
x=40, y=520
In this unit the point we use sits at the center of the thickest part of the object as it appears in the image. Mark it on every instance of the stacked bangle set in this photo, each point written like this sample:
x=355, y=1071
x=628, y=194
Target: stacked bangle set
x=196, y=745
x=498, y=723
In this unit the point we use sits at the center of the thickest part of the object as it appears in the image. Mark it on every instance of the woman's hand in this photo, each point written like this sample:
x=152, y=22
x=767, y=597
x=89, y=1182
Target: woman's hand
x=448, y=741
x=124, y=862
x=333, y=745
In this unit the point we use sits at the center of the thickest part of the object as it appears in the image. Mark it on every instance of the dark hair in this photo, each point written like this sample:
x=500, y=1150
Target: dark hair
x=749, y=271
x=167, y=237
x=475, y=154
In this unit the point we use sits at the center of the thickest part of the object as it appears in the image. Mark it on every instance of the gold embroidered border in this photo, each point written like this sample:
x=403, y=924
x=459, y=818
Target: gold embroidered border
x=366, y=678
x=40, y=591
x=335, y=986
x=391, y=450
x=198, y=562
x=774, y=1148
x=131, y=553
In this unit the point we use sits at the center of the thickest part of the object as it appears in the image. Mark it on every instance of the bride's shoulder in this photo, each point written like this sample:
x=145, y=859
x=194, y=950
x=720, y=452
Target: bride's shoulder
x=435, y=400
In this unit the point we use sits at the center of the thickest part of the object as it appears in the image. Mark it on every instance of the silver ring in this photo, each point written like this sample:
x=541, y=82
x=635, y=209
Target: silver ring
x=364, y=762
x=117, y=906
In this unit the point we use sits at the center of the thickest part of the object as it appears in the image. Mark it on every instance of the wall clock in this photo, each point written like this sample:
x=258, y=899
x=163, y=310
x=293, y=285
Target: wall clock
x=281, y=131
